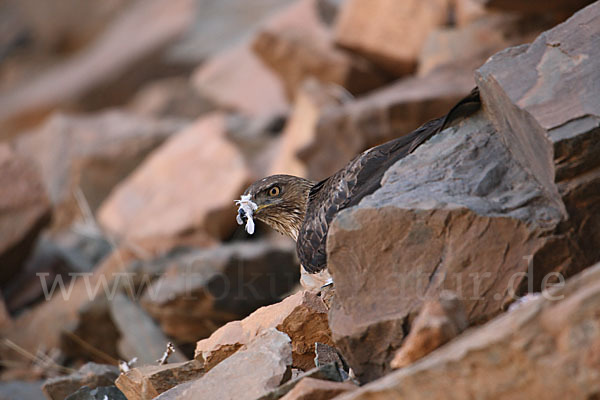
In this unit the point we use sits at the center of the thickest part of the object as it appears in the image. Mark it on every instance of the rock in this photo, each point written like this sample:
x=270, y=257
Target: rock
x=316, y=389
x=252, y=90
x=140, y=337
x=197, y=169
x=40, y=328
x=57, y=25
x=251, y=372
x=114, y=65
x=147, y=382
x=221, y=24
x=87, y=155
x=170, y=97
x=201, y=290
x=344, y=131
x=528, y=353
x=258, y=139
x=175, y=392
x=21, y=390
x=468, y=46
x=549, y=110
x=513, y=179
x=302, y=317
x=429, y=228
x=93, y=330
x=24, y=211
x=564, y=8
x=311, y=101
x=100, y=393
x=467, y=11
x=328, y=372
x=90, y=375
x=329, y=9
x=325, y=354
x=388, y=32
x=20, y=57
x=297, y=44
x=74, y=251
x=439, y=321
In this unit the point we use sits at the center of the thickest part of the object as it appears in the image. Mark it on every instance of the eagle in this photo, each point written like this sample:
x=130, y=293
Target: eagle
x=303, y=209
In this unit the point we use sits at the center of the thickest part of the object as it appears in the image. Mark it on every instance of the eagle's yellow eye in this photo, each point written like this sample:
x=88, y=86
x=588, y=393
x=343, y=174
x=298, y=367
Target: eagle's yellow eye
x=274, y=191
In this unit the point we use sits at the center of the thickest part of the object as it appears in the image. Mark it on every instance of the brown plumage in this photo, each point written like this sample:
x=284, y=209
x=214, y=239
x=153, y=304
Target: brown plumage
x=303, y=209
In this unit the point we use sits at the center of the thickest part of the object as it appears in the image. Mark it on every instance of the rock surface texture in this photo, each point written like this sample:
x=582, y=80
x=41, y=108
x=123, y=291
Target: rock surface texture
x=302, y=317
x=506, y=180
x=438, y=322
x=263, y=365
x=147, y=382
x=547, y=347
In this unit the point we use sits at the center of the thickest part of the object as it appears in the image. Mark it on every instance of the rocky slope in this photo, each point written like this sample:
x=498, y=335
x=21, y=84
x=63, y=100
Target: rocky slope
x=471, y=273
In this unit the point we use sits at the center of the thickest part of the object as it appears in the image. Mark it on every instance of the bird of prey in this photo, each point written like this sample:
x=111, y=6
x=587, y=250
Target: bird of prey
x=303, y=209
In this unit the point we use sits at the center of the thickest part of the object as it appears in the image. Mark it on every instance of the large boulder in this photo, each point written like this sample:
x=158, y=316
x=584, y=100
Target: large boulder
x=24, y=211
x=199, y=171
x=546, y=348
x=519, y=179
x=82, y=157
x=548, y=116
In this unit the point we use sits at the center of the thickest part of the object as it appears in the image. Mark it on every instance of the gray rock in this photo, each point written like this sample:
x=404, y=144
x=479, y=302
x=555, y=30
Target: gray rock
x=100, y=393
x=21, y=390
x=249, y=373
x=90, y=375
x=328, y=372
x=140, y=336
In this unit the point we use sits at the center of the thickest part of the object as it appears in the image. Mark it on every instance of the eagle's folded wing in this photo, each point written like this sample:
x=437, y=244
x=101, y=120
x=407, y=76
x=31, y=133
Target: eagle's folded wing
x=359, y=178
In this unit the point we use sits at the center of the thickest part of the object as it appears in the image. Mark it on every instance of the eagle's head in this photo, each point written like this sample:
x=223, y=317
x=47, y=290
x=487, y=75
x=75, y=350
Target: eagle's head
x=280, y=202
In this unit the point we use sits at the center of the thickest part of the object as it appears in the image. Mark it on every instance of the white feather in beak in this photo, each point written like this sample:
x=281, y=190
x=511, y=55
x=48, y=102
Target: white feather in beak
x=248, y=206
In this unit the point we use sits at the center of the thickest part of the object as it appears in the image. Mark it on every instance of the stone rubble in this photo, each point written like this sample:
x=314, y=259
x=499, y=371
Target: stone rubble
x=126, y=136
